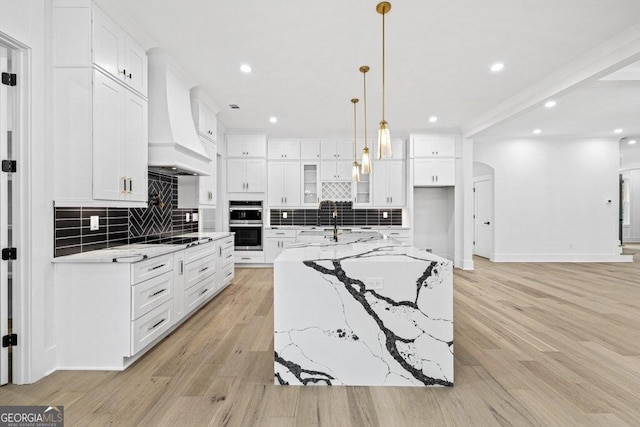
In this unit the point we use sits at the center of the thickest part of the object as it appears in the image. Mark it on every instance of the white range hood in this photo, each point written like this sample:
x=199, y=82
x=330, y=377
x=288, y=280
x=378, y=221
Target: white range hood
x=174, y=144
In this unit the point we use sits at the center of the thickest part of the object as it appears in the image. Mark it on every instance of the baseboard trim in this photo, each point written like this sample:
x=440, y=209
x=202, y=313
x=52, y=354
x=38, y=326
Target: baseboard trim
x=562, y=258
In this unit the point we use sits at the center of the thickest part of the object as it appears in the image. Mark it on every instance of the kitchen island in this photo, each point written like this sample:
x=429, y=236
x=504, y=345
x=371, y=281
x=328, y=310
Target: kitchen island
x=365, y=311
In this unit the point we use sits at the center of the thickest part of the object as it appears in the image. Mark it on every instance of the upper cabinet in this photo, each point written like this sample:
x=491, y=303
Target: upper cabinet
x=116, y=53
x=336, y=150
x=310, y=149
x=204, y=114
x=433, y=146
x=283, y=149
x=100, y=111
x=246, y=146
x=119, y=142
x=388, y=183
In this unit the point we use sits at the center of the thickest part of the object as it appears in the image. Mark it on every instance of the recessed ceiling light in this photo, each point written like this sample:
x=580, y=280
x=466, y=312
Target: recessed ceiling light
x=632, y=141
x=618, y=130
x=245, y=68
x=497, y=67
x=433, y=119
x=537, y=131
x=273, y=119
x=550, y=104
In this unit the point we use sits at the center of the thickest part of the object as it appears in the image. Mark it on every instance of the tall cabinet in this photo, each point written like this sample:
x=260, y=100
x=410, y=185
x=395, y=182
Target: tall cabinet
x=246, y=163
x=100, y=117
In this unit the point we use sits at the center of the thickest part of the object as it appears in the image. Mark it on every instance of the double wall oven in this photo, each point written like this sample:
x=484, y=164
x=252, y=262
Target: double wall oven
x=245, y=219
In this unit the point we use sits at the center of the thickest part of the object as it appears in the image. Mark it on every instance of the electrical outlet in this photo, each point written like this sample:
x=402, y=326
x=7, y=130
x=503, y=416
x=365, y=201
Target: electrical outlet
x=284, y=215
x=373, y=283
x=94, y=222
x=187, y=217
x=194, y=217
x=385, y=215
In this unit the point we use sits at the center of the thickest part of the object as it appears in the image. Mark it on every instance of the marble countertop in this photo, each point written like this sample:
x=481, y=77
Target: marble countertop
x=354, y=246
x=139, y=251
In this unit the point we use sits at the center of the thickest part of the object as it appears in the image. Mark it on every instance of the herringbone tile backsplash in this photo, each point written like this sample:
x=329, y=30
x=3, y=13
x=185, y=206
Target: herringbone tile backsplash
x=121, y=226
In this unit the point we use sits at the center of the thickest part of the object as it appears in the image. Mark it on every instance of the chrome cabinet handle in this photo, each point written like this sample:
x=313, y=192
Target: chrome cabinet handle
x=124, y=185
x=181, y=267
x=204, y=291
x=203, y=270
x=156, y=267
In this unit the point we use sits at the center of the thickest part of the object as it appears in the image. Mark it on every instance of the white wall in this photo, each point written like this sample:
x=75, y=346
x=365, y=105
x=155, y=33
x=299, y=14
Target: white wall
x=28, y=22
x=551, y=198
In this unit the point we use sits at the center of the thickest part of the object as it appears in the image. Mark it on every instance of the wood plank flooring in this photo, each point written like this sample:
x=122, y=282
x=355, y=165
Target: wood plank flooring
x=535, y=345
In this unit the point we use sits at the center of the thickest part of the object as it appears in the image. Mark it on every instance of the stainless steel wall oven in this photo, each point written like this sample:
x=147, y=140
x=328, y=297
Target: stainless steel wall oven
x=245, y=219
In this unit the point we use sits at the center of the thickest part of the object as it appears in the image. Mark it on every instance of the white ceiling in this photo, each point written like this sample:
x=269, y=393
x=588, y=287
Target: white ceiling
x=306, y=54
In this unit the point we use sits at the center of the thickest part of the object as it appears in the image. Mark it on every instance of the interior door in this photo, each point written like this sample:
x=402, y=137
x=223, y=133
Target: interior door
x=483, y=207
x=4, y=214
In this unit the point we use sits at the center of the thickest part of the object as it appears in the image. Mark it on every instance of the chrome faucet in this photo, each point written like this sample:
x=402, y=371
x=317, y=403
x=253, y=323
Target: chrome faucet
x=335, y=217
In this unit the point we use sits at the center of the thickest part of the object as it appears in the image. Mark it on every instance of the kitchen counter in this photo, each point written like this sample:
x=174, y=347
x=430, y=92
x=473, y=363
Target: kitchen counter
x=138, y=251
x=364, y=311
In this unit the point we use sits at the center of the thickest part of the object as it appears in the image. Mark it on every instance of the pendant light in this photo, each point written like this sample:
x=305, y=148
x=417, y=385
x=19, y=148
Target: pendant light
x=355, y=175
x=384, y=137
x=366, y=160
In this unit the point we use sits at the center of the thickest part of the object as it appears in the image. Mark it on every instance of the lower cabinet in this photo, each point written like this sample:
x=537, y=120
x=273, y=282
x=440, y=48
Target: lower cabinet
x=275, y=241
x=110, y=313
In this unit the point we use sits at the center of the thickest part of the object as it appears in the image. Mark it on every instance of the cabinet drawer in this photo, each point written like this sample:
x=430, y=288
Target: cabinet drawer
x=227, y=242
x=397, y=234
x=151, y=326
x=280, y=233
x=200, y=269
x=199, y=293
x=227, y=255
x=153, y=267
x=227, y=274
x=249, y=257
x=198, y=251
x=150, y=294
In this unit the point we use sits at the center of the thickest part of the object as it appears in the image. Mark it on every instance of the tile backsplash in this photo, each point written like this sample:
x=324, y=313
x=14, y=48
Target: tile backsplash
x=347, y=216
x=121, y=226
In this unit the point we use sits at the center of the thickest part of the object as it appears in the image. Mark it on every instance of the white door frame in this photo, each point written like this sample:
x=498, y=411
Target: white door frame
x=21, y=233
x=477, y=179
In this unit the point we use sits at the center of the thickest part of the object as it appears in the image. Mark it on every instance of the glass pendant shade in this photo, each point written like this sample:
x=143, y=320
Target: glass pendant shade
x=384, y=141
x=355, y=173
x=366, y=161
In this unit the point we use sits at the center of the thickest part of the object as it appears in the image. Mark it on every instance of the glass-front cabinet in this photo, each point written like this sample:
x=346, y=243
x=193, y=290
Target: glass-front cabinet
x=310, y=183
x=362, y=192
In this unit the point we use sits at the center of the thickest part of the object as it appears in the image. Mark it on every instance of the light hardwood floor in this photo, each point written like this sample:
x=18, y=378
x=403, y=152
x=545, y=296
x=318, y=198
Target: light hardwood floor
x=535, y=344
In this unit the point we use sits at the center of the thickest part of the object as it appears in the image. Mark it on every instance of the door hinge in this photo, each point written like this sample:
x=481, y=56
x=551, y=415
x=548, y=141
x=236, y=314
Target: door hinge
x=9, y=254
x=474, y=189
x=9, y=166
x=10, y=340
x=474, y=217
x=9, y=79
x=474, y=242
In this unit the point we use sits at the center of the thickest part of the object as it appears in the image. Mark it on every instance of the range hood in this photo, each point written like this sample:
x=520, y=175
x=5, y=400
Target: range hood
x=174, y=144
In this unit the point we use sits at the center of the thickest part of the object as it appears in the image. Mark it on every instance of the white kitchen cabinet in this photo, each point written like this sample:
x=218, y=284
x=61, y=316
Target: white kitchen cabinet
x=246, y=175
x=310, y=174
x=284, y=184
x=116, y=53
x=113, y=312
x=283, y=149
x=196, y=191
x=339, y=170
x=434, y=172
x=433, y=146
x=336, y=150
x=310, y=149
x=242, y=146
x=207, y=185
x=388, y=183
x=119, y=142
x=100, y=117
x=204, y=113
x=275, y=241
